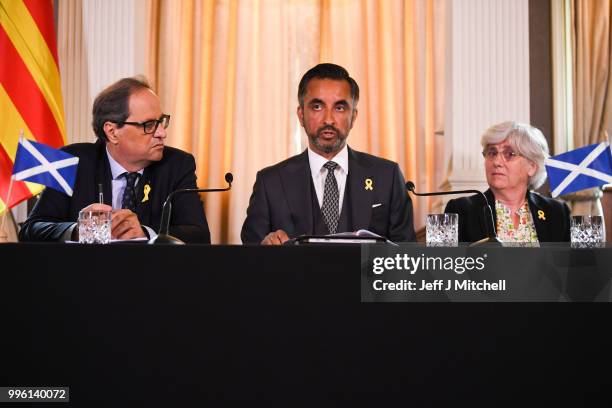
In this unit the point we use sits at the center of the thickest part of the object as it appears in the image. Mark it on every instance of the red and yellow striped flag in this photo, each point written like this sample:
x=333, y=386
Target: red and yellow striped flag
x=30, y=92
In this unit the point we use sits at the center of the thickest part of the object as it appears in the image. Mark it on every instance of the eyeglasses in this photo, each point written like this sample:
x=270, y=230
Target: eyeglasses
x=506, y=154
x=150, y=126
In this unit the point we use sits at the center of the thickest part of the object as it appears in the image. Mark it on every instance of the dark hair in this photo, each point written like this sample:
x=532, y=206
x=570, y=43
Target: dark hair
x=112, y=104
x=327, y=71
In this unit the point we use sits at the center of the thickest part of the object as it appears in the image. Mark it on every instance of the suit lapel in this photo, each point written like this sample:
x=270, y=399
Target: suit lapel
x=143, y=199
x=484, y=214
x=539, y=217
x=297, y=182
x=103, y=175
x=361, y=198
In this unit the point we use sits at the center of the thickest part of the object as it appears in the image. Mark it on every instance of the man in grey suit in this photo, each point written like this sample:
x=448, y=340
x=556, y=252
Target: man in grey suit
x=328, y=188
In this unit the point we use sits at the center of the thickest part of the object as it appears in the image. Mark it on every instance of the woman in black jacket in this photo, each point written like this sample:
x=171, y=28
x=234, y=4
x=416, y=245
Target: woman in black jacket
x=514, y=155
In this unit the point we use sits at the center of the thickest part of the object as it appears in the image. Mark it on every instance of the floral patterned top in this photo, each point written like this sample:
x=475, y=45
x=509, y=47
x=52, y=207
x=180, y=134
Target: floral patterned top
x=525, y=233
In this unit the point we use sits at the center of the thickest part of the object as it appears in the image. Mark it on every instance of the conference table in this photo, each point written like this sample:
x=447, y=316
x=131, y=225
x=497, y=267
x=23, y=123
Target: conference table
x=197, y=325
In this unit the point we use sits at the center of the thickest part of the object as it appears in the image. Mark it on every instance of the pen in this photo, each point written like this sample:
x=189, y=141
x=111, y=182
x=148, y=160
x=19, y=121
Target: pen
x=100, y=194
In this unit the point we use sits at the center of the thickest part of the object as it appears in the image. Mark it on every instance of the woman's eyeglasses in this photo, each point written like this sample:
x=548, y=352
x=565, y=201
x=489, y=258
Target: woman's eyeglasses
x=506, y=154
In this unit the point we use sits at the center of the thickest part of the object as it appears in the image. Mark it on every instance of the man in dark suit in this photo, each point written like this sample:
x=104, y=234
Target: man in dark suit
x=133, y=170
x=329, y=188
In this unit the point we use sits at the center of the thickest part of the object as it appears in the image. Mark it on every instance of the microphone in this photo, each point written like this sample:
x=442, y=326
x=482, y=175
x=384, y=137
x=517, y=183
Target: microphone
x=163, y=237
x=488, y=213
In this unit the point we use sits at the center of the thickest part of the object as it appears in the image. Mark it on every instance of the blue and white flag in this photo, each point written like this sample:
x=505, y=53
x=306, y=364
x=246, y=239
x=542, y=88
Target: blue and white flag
x=45, y=165
x=579, y=169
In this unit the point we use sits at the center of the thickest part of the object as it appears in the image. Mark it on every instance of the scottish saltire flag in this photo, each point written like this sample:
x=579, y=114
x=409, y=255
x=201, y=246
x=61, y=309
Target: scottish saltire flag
x=579, y=169
x=45, y=165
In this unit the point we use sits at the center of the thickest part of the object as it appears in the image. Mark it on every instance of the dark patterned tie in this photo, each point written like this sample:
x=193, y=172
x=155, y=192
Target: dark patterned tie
x=129, y=195
x=330, y=198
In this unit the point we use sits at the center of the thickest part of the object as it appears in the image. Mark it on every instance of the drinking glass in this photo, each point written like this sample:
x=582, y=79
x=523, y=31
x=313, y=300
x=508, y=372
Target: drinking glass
x=442, y=230
x=586, y=231
x=94, y=227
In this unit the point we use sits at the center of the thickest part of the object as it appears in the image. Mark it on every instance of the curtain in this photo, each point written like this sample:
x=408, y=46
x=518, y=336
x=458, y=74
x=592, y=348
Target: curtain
x=592, y=80
x=591, y=42
x=228, y=70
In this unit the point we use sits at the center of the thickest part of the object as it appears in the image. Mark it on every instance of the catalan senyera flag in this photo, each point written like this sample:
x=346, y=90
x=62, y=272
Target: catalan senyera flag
x=30, y=91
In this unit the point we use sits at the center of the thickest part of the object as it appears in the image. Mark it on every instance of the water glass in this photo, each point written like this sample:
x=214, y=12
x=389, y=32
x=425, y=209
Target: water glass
x=442, y=230
x=587, y=231
x=94, y=227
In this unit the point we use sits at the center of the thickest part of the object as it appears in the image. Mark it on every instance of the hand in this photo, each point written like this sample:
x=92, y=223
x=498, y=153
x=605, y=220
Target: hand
x=98, y=207
x=277, y=237
x=126, y=225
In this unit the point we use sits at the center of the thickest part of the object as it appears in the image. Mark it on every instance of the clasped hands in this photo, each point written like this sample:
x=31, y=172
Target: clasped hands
x=125, y=223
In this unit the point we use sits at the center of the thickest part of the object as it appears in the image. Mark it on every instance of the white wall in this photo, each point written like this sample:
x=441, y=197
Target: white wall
x=487, y=79
x=99, y=42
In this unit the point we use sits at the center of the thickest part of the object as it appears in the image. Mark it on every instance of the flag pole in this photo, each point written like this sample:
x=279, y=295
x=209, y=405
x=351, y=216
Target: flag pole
x=6, y=209
x=8, y=197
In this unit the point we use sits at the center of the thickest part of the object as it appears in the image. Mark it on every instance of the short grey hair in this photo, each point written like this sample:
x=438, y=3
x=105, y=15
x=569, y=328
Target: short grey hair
x=527, y=140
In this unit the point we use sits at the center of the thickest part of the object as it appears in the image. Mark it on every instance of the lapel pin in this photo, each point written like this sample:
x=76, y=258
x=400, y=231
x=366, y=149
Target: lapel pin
x=369, y=184
x=541, y=215
x=146, y=190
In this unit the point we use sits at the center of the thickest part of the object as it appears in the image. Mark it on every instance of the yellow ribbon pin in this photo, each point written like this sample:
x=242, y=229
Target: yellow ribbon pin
x=369, y=184
x=146, y=190
x=541, y=215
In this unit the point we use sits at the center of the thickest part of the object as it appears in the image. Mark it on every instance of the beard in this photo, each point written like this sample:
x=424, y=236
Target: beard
x=332, y=146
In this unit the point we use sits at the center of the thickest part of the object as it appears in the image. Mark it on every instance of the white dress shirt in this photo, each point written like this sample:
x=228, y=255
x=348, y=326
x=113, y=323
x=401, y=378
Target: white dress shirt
x=319, y=173
x=119, y=183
